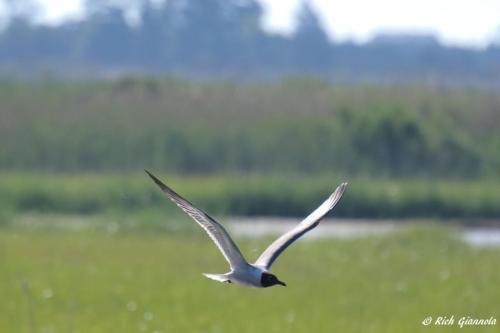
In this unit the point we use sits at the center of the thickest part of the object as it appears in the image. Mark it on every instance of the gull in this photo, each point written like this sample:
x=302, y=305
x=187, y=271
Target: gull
x=256, y=274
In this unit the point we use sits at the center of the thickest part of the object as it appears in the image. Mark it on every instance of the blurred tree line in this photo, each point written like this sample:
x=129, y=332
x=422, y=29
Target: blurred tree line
x=297, y=125
x=223, y=37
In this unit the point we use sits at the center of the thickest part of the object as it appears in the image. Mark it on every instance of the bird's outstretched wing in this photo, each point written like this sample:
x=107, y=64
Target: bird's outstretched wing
x=217, y=232
x=267, y=258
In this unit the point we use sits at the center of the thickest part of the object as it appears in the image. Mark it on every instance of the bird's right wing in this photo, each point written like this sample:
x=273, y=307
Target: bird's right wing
x=267, y=258
x=217, y=232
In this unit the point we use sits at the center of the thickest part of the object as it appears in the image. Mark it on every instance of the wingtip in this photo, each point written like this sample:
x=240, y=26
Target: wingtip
x=337, y=194
x=150, y=174
x=342, y=186
x=156, y=180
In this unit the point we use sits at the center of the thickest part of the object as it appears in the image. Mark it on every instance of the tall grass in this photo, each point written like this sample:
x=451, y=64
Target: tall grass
x=295, y=125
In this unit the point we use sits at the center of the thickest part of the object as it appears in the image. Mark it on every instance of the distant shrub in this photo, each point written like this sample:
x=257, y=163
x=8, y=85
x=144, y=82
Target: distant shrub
x=250, y=195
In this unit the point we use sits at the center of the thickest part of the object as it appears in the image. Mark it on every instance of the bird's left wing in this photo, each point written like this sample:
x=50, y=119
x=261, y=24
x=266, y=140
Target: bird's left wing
x=216, y=232
x=267, y=258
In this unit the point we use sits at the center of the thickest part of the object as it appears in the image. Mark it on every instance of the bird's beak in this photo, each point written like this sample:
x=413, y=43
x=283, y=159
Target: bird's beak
x=282, y=283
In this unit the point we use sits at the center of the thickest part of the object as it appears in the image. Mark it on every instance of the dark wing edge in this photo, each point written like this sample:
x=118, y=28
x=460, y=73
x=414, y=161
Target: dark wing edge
x=216, y=231
x=267, y=258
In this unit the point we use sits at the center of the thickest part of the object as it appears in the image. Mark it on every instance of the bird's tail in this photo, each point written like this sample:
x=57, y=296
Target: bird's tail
x=218, y=277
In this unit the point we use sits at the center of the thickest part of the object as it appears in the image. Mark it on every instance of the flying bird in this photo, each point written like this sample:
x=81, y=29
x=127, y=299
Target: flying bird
x=242, y=272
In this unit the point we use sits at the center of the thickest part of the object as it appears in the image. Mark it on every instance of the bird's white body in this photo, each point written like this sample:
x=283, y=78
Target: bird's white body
x=256, y=274
x=248, y=275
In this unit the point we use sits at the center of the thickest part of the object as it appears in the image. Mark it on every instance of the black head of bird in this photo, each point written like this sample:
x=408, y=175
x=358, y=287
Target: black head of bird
x=269, y=280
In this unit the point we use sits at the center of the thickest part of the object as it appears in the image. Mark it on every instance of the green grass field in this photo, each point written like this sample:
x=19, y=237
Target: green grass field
x=95, y=281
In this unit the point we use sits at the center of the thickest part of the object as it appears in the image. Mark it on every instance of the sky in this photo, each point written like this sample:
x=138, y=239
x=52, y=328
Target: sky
x=472, y=23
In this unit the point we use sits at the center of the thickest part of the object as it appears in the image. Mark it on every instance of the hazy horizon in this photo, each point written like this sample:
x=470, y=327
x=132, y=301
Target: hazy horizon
x=461, y=23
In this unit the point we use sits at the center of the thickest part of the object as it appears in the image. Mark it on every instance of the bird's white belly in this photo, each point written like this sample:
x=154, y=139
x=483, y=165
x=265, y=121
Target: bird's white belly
x=249, y=276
